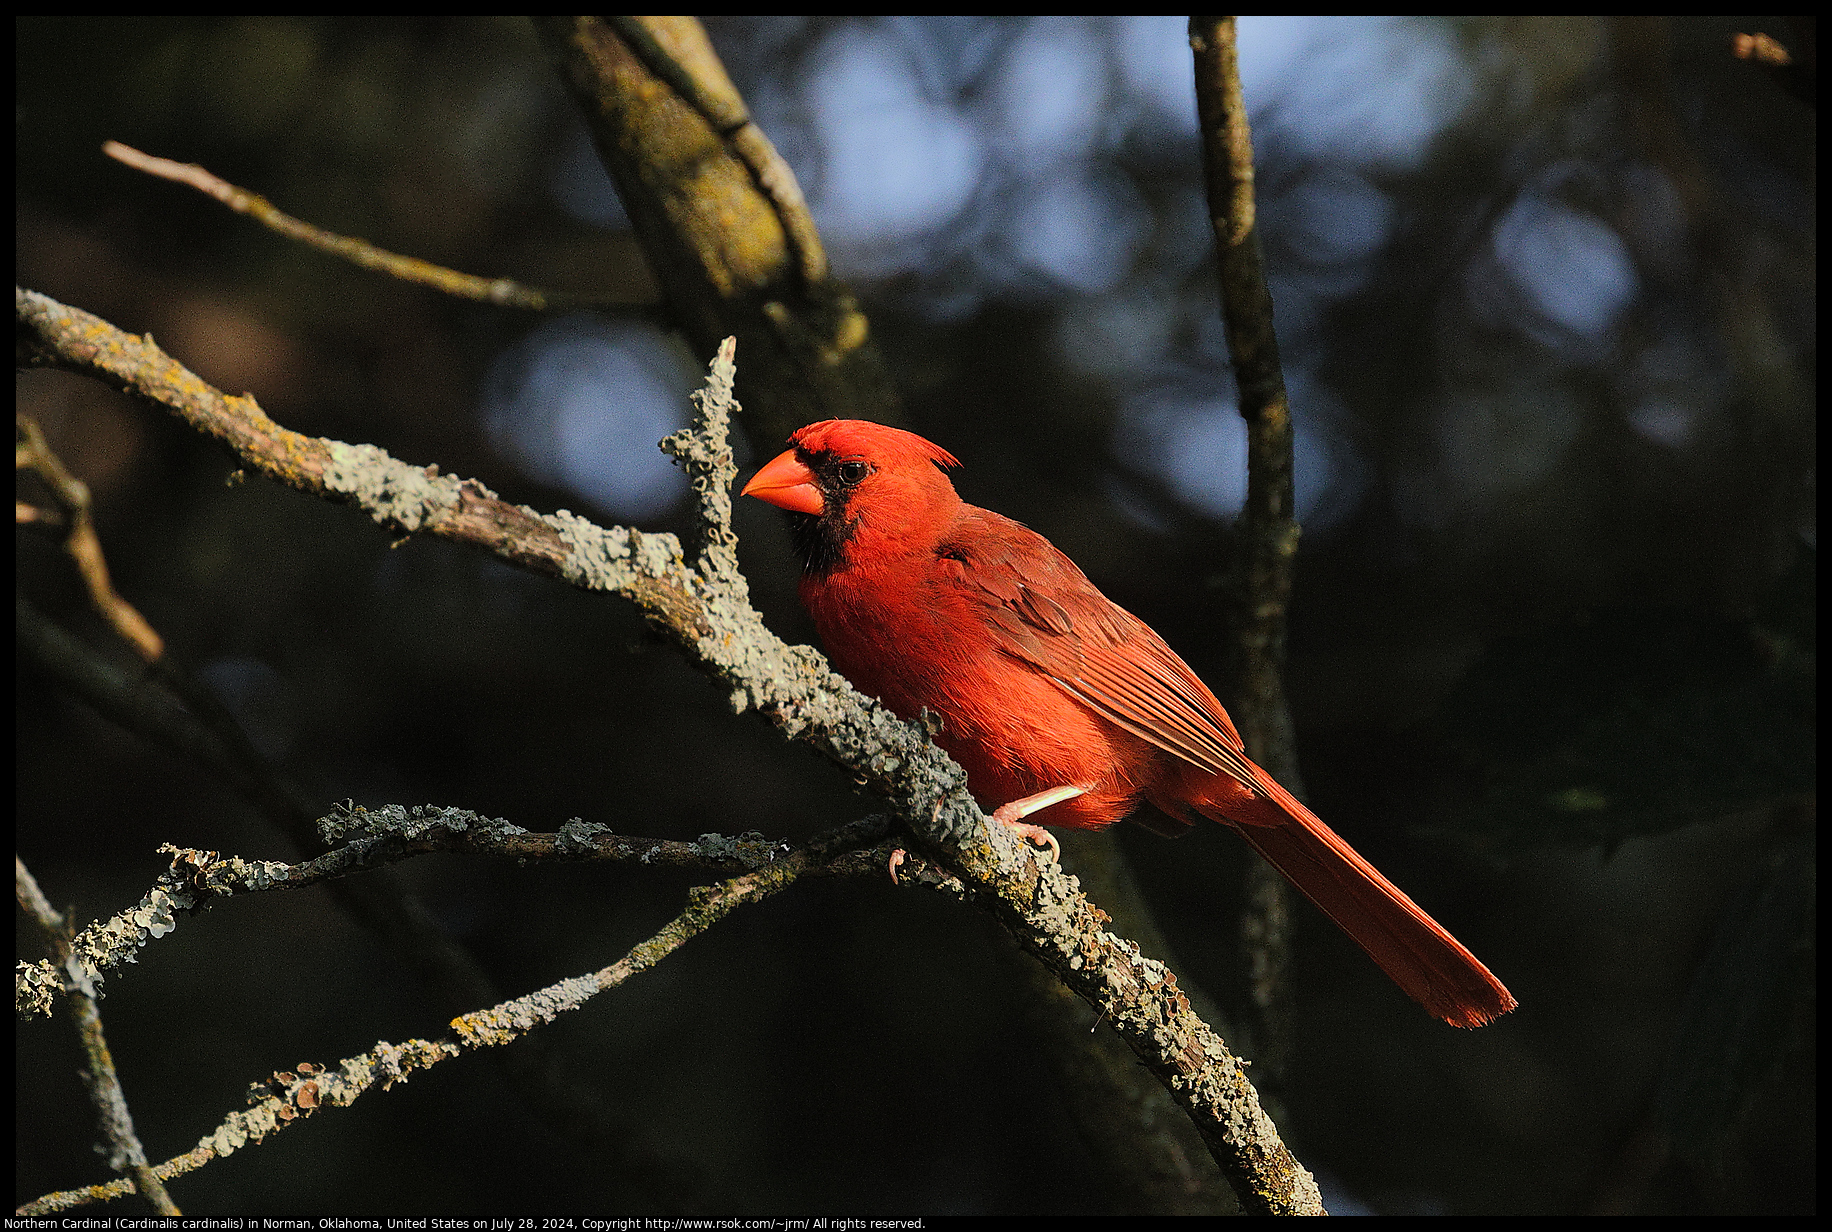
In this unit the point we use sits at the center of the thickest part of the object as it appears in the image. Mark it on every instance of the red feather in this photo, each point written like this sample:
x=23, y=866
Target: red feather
x=1042, y=682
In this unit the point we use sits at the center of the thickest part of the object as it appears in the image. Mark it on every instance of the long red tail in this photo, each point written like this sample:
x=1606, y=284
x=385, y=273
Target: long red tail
x=1412, y=948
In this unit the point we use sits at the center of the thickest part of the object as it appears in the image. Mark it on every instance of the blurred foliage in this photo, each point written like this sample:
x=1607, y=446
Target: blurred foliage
x=1636, y=721
x=1750, y=1013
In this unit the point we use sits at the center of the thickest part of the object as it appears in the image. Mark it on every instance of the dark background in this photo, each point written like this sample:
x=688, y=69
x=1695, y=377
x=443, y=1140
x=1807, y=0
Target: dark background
x=1546, y=299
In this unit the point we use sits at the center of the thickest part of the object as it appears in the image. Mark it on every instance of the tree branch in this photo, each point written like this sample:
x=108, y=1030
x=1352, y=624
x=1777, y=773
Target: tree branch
x=32, y=452
x=373, y=838
x=503, y=291
x=125, y=1154
x=1269, y=528
x=288, y=1097
x=721, y=218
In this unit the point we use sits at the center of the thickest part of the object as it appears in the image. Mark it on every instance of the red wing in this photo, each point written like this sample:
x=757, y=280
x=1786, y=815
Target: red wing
x=1044, y=611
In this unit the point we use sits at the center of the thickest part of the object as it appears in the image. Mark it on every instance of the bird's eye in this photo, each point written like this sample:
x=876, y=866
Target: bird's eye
x=852, y=473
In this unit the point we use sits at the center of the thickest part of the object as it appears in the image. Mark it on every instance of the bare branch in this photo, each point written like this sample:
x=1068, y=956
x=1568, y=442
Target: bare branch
x=32, y=452
x=1269, y=529
x=504, y=291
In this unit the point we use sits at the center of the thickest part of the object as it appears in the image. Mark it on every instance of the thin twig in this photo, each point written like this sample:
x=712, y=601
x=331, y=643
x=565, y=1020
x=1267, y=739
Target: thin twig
x=503, y=291
x=32, y=452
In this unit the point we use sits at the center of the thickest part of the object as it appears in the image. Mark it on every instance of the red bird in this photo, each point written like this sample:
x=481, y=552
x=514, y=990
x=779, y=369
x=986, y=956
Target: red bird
x=1053, y=697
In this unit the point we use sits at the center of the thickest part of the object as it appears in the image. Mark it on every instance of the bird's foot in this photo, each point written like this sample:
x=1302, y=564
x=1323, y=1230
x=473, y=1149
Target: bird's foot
x=1036, y=834
x=1013, y=812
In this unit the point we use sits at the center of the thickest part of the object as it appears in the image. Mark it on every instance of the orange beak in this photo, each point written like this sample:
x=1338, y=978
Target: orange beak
x=786, y=483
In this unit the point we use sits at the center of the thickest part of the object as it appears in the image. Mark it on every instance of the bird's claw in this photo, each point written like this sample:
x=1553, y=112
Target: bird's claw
x=1034, y=833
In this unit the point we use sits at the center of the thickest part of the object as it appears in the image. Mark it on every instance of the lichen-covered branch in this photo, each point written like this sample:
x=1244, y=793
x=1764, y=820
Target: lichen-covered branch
x=125, y=1154
x=370, y=838
x=291, y=1096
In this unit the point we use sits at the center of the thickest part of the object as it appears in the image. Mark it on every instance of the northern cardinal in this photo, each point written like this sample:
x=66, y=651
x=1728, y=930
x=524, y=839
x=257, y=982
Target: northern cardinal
x=1052, y=697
